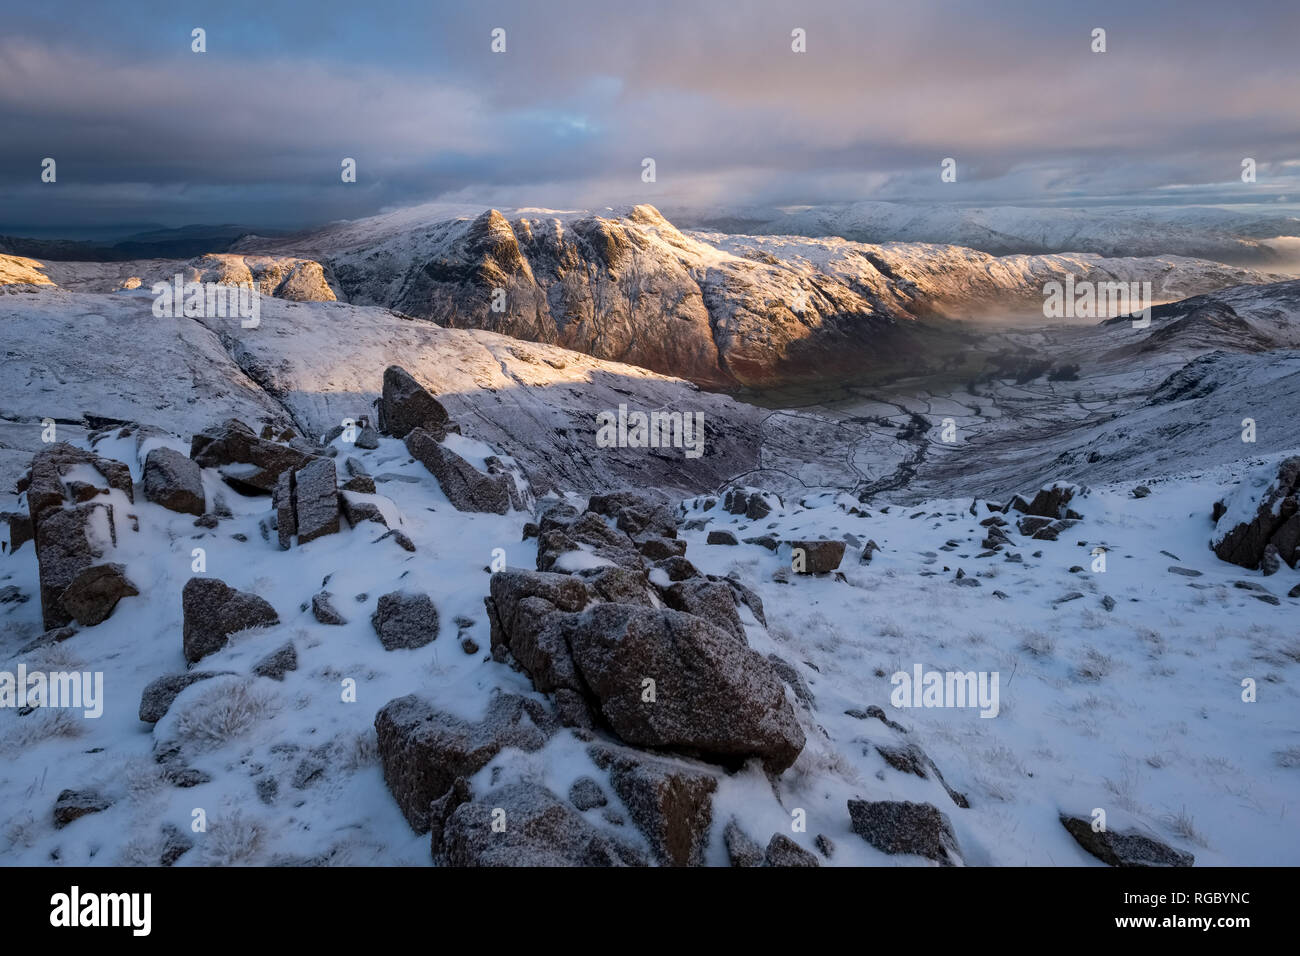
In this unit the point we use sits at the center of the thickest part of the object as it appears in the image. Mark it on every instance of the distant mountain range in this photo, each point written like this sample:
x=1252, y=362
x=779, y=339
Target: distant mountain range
x=1256, y=235
x=179, y=243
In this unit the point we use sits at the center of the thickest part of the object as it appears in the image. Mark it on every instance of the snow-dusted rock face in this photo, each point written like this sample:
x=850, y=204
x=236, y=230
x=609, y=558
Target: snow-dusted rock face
x=1261, y=514
x=18, y=270
x=719, y=310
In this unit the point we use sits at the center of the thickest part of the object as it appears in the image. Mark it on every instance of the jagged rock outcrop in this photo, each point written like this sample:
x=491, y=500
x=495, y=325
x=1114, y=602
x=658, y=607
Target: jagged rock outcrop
x=1049, y=502
x=613, y=654
x=74, y=525
x=1263, y=511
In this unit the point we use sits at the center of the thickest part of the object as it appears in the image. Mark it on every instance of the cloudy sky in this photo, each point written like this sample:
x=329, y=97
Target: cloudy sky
x=253, y=131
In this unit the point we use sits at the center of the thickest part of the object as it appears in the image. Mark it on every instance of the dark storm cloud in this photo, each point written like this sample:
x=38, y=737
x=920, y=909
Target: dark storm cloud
x=253, y=131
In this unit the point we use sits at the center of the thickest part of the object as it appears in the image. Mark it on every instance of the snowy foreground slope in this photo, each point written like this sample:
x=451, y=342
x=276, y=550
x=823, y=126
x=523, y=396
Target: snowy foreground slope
x=1120, y=689
x=1135, y=709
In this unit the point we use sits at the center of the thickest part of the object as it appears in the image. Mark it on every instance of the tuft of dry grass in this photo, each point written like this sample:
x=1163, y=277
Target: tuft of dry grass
x=1037, y=643
x=233, y=840
x=1182, y=825
x=1094, y=665
x=225, y=712
x=44, y=723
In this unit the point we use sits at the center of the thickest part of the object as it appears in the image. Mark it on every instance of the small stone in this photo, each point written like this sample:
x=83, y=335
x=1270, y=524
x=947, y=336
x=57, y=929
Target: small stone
x=405, y=620
x=782, y=851
x=585, y=794
x=74, y=804
x=278, y=663
x=322, y=608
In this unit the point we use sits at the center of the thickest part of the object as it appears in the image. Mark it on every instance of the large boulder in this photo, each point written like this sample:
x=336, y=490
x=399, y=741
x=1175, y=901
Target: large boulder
x=1123, y=848
x=246, y=461
x=174, y=481
x=423, y=751
x=1263, y=510
x=713, y=696
x=405, y=620
x=467, y=488
x=213, y=611
x=905, y=827
x=406, y=405
x=539, y=829
x=316, y=500
x=816, y=556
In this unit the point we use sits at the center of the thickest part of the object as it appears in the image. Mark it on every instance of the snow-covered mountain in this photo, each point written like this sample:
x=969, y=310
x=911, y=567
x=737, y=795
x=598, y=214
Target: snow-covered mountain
x=719, y=310
x=1251, y=236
